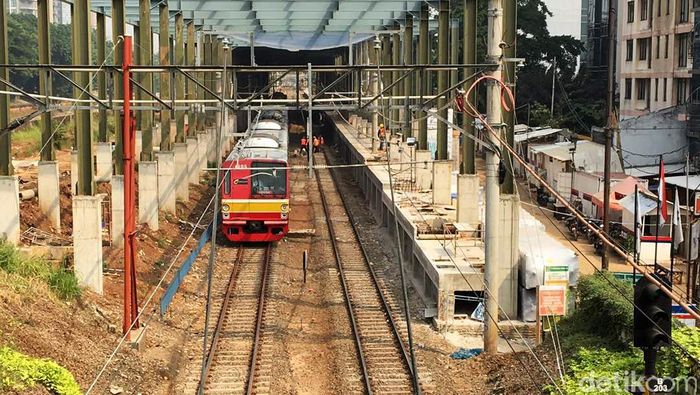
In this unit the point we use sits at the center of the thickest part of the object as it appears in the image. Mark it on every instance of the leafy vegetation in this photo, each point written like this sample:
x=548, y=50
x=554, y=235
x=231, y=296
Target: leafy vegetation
x=19, y=372
x=596, y=340
x=60, y=280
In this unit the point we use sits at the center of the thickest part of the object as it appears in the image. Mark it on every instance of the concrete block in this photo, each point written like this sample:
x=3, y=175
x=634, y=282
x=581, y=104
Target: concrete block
x=87, y=241
x=166, y=180
x=103, y=168
x=9, y=220
x=117, y=210
x=50, y=193
x=182, y=190
x=468, y=199
x=148, y=194
x=156, y=135
x=74, y=172
x=508, y=253
x=192, y=161
x=138, y=146
x=442, y=180
x=212, y=135
x=202, y=147
x=424, y=169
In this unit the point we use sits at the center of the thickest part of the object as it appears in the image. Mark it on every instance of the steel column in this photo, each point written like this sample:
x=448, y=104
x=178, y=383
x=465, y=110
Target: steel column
x=423, y=58
x=509, y=37
x=193, y=116
x=443, y=52
x=409, y=83
x=179, y=80
x=101, y=77
x=164, y=55
x=5, y=140
x=384, y=81
x=469, y=57
x=396, y=91
x=208, y=60
x=45, y=86
x=117, y=31
x=83, y=129
x=146, y=79
x=137, y=60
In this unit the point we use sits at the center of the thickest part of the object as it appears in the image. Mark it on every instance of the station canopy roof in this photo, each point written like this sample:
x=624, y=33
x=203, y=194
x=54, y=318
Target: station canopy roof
x=286, y=24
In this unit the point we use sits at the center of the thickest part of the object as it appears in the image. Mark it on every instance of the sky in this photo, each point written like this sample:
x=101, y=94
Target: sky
x=566, y=19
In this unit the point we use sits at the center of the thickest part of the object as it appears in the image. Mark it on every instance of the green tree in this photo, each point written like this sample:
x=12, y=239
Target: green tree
x=22, y=30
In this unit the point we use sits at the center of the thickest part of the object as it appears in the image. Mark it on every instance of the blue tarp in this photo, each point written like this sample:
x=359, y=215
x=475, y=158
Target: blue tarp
x=465, y=353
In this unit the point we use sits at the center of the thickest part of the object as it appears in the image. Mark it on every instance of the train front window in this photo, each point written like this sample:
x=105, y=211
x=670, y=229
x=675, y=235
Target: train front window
x=269, y=180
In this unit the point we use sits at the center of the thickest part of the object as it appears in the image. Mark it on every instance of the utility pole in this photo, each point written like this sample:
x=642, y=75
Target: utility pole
x=510, y=11
x=554, y=76
x=612, y=17
x=492, y=216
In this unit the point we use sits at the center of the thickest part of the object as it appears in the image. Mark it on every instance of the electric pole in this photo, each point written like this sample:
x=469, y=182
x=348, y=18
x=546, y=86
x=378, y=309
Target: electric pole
x=492, y=216
x=612, y=16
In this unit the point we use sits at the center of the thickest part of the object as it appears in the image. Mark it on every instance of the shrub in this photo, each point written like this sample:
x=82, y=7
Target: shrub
x=61, y=281
x=19, y=372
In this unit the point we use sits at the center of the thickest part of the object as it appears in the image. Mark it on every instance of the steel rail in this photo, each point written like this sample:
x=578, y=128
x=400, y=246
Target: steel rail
x=222, y=316
x=392, y=322
x=259, y=319
x=346, y=293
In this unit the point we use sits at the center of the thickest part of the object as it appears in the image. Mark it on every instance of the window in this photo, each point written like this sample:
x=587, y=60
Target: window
x=656, y=89
x=683, y=50
x=643, y=45
x=681, y=90
x=683, y=11
x=630, y=11
x=658, y=46
x=641, y=89
x=630, y=50
x=268, y=184
x=628, y=88
x=666, y=48
x=665, y=88
x=643, y=8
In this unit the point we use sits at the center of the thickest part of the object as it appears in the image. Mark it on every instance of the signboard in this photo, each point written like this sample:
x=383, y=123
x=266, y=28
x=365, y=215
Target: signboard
x=681, y=315
x=697, y=204
x=551, y=300
x=556, y=275
x=694, y=237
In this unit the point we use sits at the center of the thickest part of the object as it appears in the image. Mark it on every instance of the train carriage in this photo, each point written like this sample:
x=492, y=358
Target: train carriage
x=255, y=188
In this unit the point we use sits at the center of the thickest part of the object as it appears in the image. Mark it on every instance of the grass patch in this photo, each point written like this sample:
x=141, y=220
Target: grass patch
x=60, y=280
x=19, y=373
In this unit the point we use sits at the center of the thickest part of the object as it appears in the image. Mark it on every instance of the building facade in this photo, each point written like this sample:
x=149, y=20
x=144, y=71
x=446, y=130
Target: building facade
x=654, y=55
x=594, y=35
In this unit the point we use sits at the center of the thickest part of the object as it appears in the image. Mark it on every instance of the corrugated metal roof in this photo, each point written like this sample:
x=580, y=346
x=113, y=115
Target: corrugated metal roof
x=535, y=133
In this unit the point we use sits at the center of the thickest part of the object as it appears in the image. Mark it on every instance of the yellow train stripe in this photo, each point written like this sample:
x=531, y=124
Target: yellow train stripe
x=256, y=205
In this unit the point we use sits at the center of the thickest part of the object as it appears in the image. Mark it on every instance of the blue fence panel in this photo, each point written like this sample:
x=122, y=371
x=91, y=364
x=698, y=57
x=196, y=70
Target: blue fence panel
x=183, y=270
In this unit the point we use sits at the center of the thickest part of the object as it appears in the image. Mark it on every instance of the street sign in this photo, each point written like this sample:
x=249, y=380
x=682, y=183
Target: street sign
x=556, y=275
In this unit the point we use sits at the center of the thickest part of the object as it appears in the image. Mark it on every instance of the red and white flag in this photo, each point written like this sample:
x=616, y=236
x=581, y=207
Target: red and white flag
x=662, y=194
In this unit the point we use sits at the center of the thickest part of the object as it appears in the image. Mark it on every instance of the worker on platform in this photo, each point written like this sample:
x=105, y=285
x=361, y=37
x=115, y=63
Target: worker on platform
x=321, y=141
x=304, y=145
x=317, y=144
x=381, y=134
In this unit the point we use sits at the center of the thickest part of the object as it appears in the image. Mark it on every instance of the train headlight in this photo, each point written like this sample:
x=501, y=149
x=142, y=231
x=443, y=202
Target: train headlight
x=284, y=207
x=225, y=208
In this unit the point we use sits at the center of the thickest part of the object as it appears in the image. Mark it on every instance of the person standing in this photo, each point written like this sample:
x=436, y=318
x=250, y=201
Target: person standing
x=381, y=134
x=304, y=145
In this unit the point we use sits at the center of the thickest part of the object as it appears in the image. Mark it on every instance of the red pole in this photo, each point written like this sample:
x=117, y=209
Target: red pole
x=128, y=135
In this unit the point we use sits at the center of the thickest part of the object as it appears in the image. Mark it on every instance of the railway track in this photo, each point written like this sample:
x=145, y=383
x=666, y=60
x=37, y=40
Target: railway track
x=382, y=355
x=238, y=338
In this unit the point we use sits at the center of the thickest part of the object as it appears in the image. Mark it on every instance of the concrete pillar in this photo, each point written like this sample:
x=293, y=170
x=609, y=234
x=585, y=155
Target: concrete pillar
x=148, y=194
x=442, y=179
x=202, y=146
x=468, y=199
x=87, y=241
x=508, y=235
x=74, y=172
x=166, y=181
x=138, y=146
x=193, y=160
x=50, y=193
x=9, y=220
x=103, y=168
x=211, y=145
x=182, y=190
x=424, y=170
x=157, y=137
x=117, y=211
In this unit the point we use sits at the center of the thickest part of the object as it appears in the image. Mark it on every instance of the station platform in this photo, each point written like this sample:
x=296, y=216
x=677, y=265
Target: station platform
x=444, y=257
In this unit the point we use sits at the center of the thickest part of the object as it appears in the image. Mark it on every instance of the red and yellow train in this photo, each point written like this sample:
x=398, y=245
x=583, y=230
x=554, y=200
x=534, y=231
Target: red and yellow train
x=255, y=189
